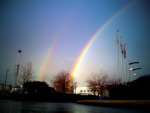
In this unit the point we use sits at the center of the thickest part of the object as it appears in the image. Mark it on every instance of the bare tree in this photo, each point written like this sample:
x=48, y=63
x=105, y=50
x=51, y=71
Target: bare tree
x=26, y=73
x=61, y=82
x=98, y=82
x=92, y=85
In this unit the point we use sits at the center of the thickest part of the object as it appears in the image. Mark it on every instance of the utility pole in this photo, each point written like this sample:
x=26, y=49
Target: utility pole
x=19, y=51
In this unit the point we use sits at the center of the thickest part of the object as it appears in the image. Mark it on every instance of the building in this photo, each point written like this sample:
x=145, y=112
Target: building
x=88, y=91
x=83, y=91
x=37, y=88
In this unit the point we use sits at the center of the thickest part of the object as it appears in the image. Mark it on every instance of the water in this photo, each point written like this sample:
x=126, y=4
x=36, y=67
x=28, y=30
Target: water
x=7, y=106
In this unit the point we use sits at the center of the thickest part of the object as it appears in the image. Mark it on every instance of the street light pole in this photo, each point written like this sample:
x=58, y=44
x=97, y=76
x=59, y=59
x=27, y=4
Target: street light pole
x=132, y=69
x=19, y=51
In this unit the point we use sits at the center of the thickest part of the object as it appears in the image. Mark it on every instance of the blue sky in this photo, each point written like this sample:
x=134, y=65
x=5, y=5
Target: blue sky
x=65, y=26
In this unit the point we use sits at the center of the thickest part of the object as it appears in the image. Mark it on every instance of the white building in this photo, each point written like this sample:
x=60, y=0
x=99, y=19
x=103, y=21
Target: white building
x=83, y=91
x=88, y=91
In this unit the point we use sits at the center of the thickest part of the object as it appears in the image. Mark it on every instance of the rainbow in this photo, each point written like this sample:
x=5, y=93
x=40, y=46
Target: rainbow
x=45, y=65
x=76, y=66
x=75, y=69
x=47, y=59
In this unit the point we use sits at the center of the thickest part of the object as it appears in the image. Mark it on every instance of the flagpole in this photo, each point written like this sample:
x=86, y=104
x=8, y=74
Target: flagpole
x=117, y=42
x=122, y=53
x=129, y=71
x=125, y=70
x=125, y=56
x=118, y=63
x=122, y=70
x=125, y=62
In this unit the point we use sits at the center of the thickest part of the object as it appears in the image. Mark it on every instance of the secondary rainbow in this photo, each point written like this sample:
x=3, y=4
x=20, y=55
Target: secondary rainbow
x=75, y=69
x=45, y=65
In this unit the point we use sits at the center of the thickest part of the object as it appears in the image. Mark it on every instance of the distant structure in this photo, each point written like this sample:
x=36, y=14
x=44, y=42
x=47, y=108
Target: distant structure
x=6, y=77
x=18, y=64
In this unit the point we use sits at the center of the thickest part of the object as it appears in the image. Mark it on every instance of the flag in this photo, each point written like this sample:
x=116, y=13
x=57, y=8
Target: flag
x=124, y=50
x=116, y=42
x=121, y=45
x=133, y=63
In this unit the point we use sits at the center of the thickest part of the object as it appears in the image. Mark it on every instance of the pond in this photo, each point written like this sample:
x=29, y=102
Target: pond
x=9, y=106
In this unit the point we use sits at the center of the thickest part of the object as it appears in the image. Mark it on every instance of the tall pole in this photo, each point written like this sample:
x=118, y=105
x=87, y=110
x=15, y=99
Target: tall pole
x=126, y=71
x=6, y=77
x=118, y=59
x=125, y=58
x=117, y=43
x=121, y=47
x=130, y=69
x=129, y=73
x=19, y=51
x=122, y=72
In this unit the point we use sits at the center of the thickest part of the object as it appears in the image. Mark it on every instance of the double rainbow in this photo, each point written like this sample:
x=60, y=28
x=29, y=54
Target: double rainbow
x=76, y=66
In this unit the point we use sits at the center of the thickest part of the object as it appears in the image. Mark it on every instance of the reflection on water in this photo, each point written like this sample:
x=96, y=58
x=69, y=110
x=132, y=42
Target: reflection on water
x=7, y=106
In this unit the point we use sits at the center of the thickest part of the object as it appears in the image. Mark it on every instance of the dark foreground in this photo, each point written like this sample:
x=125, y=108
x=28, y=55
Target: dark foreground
x=80, y=99
x=12, y=106
x=135, y=104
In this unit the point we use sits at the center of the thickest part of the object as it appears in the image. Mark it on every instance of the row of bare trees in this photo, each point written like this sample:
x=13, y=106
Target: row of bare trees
x=62, y=82
x=97, y=83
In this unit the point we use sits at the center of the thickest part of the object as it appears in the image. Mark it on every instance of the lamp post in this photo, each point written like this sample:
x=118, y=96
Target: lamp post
x=19, y=51
x=133, y=69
